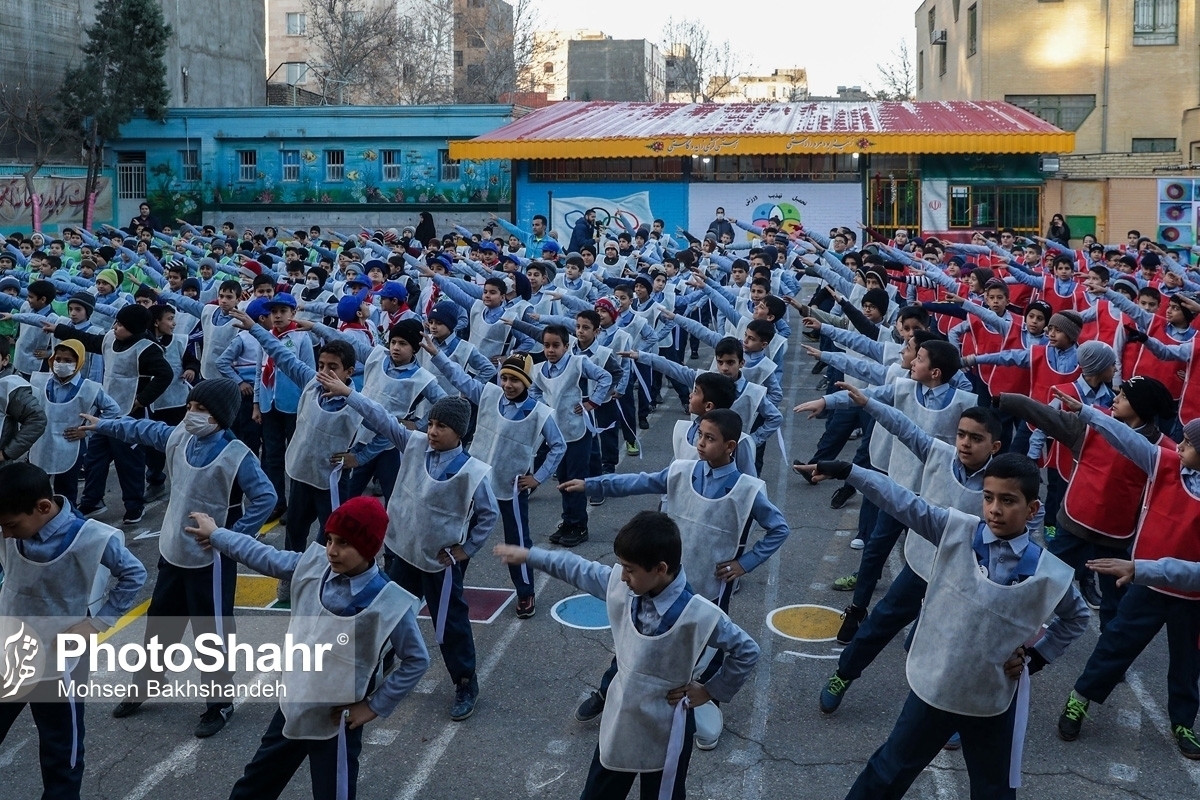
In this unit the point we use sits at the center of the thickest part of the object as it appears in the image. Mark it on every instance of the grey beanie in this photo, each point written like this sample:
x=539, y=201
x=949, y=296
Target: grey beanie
x=1095, y=357
x=222, y=398
x=454, y=413
x=1069, y=322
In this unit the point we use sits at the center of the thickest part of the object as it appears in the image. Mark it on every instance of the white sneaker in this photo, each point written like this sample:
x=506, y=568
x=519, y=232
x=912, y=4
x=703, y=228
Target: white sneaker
x=709, y=724
x=857, y=543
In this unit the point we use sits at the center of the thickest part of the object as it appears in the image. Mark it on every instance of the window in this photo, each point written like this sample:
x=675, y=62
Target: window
x=941, y=54
x=1067, y=111
x=1155, y=21
x=291, y=165
x=474, y=73
x=297, y=72
x=920, y=70
x=548, y=68
x=391, y=165
x=458, y=59
x=1016, y=207
x=131, y=175
x=247, y=165
x=1154, y=146
x=474, y=41
x=447, y=169
x=956, y=4
x=297, y=24
x=190, y=161
x=335, y=165
x=932, y=20
x=972, y=30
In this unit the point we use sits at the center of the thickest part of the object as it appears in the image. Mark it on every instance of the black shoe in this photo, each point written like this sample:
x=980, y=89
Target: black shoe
x=798, y=463
x=465, y=695
x=595, y=501
x=577, y=535
x=694, y=357
x=277, y=513
x=1071, y=720
x=818, y=367
x=126, y=707
x=526, y=607
x=134, y=517
x=644, y=424
x=1188, y=746
x=1090, y=592
x=852, y=617
x=590, y=708
x=557, y=536
x=842, y=496
x=213, y=720
x=155, y=491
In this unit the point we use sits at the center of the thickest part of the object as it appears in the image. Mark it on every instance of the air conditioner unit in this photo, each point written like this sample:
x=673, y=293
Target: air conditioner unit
x=1049, y=164
x=938, y=37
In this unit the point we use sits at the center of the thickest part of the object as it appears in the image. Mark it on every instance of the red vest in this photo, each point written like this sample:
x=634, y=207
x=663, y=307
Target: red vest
x=1076, y=301
x=1107, y=494
x=1104, y=327
x=1189, y=405
x=999, y=379
x=1019, y=294
x=1042, y=376
x=1151, y=366
x=1170, y=524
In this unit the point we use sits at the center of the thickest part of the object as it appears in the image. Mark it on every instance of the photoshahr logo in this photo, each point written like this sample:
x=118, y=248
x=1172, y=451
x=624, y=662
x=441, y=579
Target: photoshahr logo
x=23, y=656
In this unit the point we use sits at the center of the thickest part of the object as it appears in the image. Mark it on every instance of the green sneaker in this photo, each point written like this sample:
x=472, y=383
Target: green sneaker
x=1050, y=532
x=631, y=449
x=846, y=584
x=1185, y=737
x=1072, y=717
x=832, y=694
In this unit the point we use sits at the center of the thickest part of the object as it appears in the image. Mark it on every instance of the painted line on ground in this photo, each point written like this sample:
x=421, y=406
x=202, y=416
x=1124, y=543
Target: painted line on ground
x=1159, y=720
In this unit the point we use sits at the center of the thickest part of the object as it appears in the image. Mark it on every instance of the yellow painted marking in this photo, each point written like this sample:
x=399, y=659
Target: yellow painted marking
x=125, y=620
x=254, y=591
x=805, y=622
x=267, y=528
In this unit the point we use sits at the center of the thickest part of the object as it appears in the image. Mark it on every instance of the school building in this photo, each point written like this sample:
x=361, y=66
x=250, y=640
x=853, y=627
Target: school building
x=944, y=167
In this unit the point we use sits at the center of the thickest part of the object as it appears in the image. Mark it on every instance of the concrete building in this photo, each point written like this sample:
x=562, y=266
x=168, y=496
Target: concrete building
x=781, y=86
x=683, y=75
x=549, y=71
x=1124, y=75
x=483, y=50
x=632, y=70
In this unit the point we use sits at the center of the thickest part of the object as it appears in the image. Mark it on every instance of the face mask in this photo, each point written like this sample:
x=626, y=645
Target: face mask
x=720, y=216
x=313, y=283
x=63, y=369
x=199, y=424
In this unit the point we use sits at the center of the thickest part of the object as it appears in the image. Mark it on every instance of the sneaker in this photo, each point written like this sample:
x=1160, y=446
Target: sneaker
x=1090, y=592
x=832, y=694
x=1186, y=739
x=822, y=384
x=694, y=357
x=283, y=592
x=574, y=537
x=134, y=517
x=817, y=367
x=126, y=707
x=465, y=695
x=155, y=491
x=212, y=720
x=857, y=543
x=709, y=724
x=595, y=501
x=526, y=607
x=94, y=512
x=1072, y=717
x=631, y=449
x=590, y=708
x=856, y=434
x=644, y=424
x=852, y=617
x=557, y=536
x=953, y=743
x=846, y=583
x=1049, y=532
x=842, y=496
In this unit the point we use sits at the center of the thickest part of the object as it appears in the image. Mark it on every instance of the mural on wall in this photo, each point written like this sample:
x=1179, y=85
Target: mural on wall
x=816, y=206
x=1178, y=211
x=629, y=212
x=62, y=201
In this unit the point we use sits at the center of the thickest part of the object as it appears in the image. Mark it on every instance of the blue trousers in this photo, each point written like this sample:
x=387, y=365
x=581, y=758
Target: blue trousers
x=605, y=453
x=278, y=428
x=1075, y=552
x=130, y=464
x=1141, y=615
x=384, y=466
x=918, y=736
x=883, y=538
x=247, y=430
x=838, y=427
x=67, y=483
x=458, y=643
x=898, y=608
x=522, y=582
x=606, y=784
x=307, y=504
x=277, y=759
x=575, y=464
x=52, y=717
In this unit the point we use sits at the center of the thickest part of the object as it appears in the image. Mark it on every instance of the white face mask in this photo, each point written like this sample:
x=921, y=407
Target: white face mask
x=313, y=283
x=64, y=369
x=199, y=424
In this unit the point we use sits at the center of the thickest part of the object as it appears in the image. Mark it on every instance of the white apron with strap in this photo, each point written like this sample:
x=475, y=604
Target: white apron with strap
x=760, y=372
x=324, y=296
x=30, y=340
x=320, y=435
x=508, y=445
x=711, y=529
x=747, y=403
x=52, y=452
x=880, y=447
x=939, y=488
x=903, y=466
x=599, y=356
x=562, y=393
x=205, y=489
x=636, y=724
x=425, y=516
x=461, y=356
x=310, y=697
x=685, y=450
x=185, y=323
x=216, y=339
x=53, y=593
x=489, y=338
x=121, y=371
x=970, y=626
x=177, y=393
x=399, y=396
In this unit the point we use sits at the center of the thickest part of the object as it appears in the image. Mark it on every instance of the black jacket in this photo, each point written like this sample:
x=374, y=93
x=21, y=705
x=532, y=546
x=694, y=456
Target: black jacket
x=154, y=373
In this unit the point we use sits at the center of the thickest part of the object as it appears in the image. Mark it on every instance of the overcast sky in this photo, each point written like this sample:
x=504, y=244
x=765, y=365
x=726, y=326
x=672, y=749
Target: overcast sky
x=839, y=43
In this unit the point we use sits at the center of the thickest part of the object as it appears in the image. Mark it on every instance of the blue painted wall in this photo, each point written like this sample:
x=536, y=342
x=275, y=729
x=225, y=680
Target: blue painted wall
x=668, y=200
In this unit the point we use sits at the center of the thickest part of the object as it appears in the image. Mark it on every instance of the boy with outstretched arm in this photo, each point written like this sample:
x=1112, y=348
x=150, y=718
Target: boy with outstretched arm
x=660, y=631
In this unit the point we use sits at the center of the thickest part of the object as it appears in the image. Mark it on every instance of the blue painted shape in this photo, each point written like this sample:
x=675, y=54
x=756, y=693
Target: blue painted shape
x=581, y=611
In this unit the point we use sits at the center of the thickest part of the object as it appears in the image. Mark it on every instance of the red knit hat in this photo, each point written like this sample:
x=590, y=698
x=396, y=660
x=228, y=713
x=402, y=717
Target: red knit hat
x=362, y=522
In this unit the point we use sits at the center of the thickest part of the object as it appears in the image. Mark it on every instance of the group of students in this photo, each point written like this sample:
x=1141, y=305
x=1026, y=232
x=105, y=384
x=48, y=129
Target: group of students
x=455, y=376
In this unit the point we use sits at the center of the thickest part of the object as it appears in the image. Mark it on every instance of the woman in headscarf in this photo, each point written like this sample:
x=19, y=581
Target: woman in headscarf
x=425, y=229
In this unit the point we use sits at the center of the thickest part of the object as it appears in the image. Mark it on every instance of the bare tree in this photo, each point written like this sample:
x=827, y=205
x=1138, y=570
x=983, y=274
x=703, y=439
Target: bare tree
x=897, y=76
x=355, y=44
x=424, y=60
x=698, y=65
x=501, y=51
x=32, y=123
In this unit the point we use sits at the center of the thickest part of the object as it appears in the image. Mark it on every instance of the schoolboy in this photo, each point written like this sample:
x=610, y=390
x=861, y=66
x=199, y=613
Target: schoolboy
x=209, y=471
x=445, y=498
x=338, y=585
x=511, y=427
x=441, y=322
x=660, y=630
x=33, y=343
x=240, y=361
x=990, y=592
x=171, y=405
x=50, y=557
x=711, y=391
